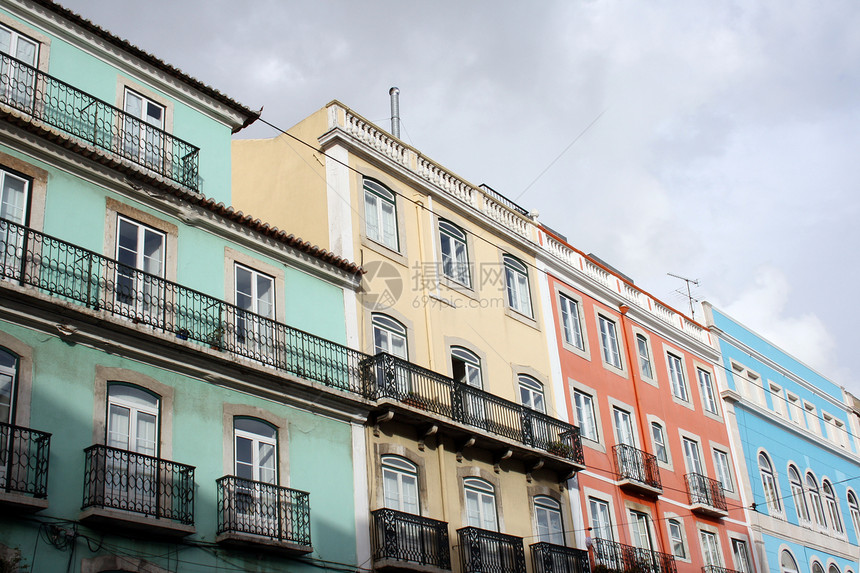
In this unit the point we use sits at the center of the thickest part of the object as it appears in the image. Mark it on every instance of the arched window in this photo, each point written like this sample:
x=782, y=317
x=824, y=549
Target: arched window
x=255, y=447
x=380, y=214
x=787, y=563
x=531, y=393
x=798, y=495
x=854, y=510
x=132, y=419
x=389, y=336
x=833, y=568
x=455, y=256
x=8, y=385
x=480, y=504
x=400, y=484
x=817, y=568
x=548, y=520
x=768, y=480
x=676, y=536
x=466, y=367
x=517, y=283
x=832, y=507
x=815, y=505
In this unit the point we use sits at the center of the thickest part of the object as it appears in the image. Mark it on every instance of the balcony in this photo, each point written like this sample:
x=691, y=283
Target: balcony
x=706, y=496
x=551, y=558
x=136, y=491
x=97, y=123
x=613, y=557
x=637, y=471
x=405, y=542
x=264, y=515
x=431, y=395
x=717, y=569
x=483, y=551
x=24, y=457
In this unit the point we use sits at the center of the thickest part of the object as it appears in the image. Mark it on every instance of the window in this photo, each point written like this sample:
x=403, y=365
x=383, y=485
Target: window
x=480, y=504
x=8, y=389
x=741, y=556
x=609, y=341
x=517, y=282
x=691, y=454
x=380, y=214
x=466, y=369
x=640, y=529
x=768, y=480
x=676, y=373
x=723, y=469
x=798, y=495
x=548, y=520
x=795, y=411
x=832, y=507
x=827, y=427
x=389, y=336
x=659, y=442
x=17, y=78
x=143, y=130
x=531, y=393
x=776, y=399
x=817, y=567
x=455, y=257
x=854, y=510
x=811, y=418
x=255, y=329
x=644, y=356
x=709, y=399
x=833, y=568
x=570, y=321
x=815, y=505
x=710, y=549
x=601, y=522
x=400, y=484
x=676, y=538
x=585, y=415
x=787, y=564
x=623, y=427
x=141, y=256
x=255, y=450
x=14, y=200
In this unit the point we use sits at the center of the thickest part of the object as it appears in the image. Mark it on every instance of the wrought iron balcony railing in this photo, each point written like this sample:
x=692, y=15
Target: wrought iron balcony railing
x=24, y=457
x=427, y=390
x=619, y=558
x=717, y=569
x=404, y=537
x=82, y=116
x=635, y=465
x=706, y=492
x=483, y=551
x=264, y=510
x=551, y=558
x=120, y=479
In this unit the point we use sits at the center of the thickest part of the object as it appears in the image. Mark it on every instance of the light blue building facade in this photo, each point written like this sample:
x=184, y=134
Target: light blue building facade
x=793, y=432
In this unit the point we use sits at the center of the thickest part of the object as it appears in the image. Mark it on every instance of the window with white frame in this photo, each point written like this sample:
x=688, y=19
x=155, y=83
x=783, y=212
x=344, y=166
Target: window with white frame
x=776, y=400
x=531, y=393
x=795, y=410
x=710, y=548
x=827, y=427
x=833, y=568
x=480, y=504
x=8, y=385
x=609, y=341
x=140, y=252
x=255, y=296
x=548, y=520
x=659, y=439
x=854, y=510
x=143, y=130
x=691, y=454
x=706, y=387
x=815, y=505
x=640, y=529
x=570, y=321
x=255, y=450
x=14, y=207
x=644, y=356
x=676, y=373
x=389, y=336
x=787, y=562
x=741, y=555
x=132, y=419
x=623, y=427
x=585, y=415
x=676, y=538
x=798, y=495
x=17, y=68
x=817, y=567
x=841, y=433
x=601, y=521
x=400, y=484
x=723, y=469
x=812, y=418
x=832, y=507
x=455, y=255
x=517, y=283
x=380, y=214
x=466, y=369
x=768, y=481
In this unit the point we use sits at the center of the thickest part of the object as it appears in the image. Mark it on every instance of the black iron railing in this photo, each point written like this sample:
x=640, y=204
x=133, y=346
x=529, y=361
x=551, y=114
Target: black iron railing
x=24, y=457
x=705, y=491
x=97, y=122
x=424, y=389
x=620, y=558
x=717, y=569
x=551, y=558
x=120, y=479
x=263, y=509
x=483, y=551
x=633, y=464
x=411, y=538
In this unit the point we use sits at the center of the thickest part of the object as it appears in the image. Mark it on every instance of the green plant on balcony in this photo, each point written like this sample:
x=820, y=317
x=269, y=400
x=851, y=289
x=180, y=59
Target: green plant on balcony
x=560, y=449
x=216, y=337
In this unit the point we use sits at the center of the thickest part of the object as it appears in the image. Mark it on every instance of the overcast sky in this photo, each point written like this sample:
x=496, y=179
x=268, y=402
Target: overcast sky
x=723, y=152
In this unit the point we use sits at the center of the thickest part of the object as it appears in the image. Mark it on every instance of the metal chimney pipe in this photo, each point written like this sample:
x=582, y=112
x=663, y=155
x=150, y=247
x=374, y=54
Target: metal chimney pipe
x=395, y=111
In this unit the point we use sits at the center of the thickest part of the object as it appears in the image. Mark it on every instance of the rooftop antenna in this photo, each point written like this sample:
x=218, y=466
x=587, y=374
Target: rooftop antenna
x=689, y=294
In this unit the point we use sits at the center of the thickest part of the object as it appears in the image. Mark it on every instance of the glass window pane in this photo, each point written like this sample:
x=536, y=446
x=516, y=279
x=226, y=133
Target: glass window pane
x=118, y=427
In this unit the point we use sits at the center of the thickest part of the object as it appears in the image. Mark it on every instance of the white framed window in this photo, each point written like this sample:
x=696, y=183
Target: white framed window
x=776, y=400
x=455, y=255
x=531, y=393
x=255, y=327
x=676, y=373
x=466, y=367
x=601, y=520
x=585, y=415
x=833, y=568
x=571, y=321
x=659, y=439
x=710, y=548
x=548, y=520
x=132, y=419
x=768, y=481
x=644, y=353
x=623, y=427
x=143, y=130
x=389, y=336
x=854, y=510
x=17, y=78
x=140, y=254
x=795, y=410
x=14, y=196
x=676, y=538
x=255, y=450
x=640, y=530
x=709, y=399
x=480, y=504
x=517, y=283
x=787, y=563
x=8, y=385
x=741, y=556
x=400, y=484
x=609, y=341
x=691, y=455
x=798, y=495
x=815, y=505
x=811, y=418
x=832, y=507
x=817, y=567
x=723, y=469
x=380, y=214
